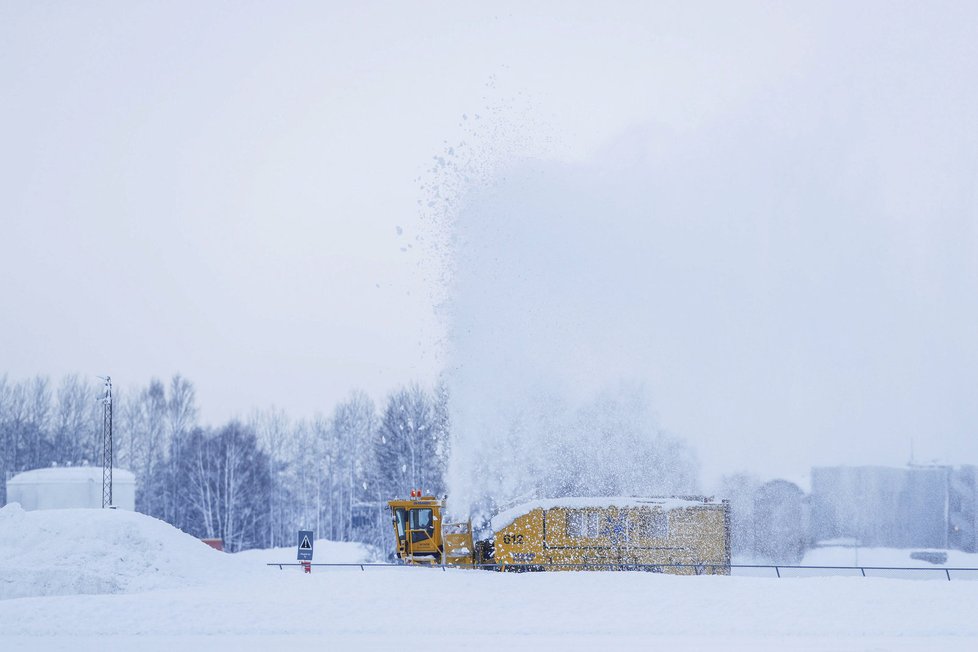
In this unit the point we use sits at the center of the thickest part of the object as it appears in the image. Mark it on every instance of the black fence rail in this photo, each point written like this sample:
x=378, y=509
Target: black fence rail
x=698, y=569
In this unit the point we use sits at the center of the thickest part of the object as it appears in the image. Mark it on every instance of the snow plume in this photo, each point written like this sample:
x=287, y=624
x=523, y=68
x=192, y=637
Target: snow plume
x=560, y=444
x=792, y=279
x=548, y=335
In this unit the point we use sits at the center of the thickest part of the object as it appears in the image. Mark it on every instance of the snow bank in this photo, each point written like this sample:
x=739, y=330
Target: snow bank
x=324, y=552
x=75, y=551
x=507, y=516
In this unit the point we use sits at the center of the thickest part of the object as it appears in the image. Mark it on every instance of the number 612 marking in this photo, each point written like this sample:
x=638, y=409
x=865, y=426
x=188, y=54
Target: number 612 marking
x=513, y=539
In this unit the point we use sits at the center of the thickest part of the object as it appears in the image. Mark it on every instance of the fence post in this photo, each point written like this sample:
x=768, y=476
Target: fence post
x=863, y=570
x=777, y=570
x=948, y=573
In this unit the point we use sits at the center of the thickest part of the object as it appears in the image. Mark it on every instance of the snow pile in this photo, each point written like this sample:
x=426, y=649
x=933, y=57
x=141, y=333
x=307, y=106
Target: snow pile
x=324, y=552
x=76, y=551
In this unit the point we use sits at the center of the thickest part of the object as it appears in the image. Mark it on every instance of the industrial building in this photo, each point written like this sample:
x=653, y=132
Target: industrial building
x=909, y=507
x=962, y=508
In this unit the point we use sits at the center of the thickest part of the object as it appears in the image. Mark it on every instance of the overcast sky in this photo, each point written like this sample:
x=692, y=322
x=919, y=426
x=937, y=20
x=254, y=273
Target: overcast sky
x=229, y=191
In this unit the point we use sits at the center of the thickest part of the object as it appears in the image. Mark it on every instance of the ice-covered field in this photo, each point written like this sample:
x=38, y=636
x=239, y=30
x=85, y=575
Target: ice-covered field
x=162, y=591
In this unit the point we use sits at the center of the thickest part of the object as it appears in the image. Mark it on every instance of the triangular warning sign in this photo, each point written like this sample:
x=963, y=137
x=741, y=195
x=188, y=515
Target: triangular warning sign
x=305, y=545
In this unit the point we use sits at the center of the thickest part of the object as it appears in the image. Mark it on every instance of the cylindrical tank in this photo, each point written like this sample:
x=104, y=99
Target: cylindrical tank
x=70, y=486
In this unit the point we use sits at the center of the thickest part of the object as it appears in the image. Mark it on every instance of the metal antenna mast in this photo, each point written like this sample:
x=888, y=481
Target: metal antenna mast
x=107, y=443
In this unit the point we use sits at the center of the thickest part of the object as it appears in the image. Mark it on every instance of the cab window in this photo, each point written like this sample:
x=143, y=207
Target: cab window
x=422, y=525
x=421, y=519
x=399, y=522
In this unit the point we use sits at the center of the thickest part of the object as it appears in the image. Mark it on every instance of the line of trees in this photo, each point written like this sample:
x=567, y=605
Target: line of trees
x=251, y=483
x=254, y=482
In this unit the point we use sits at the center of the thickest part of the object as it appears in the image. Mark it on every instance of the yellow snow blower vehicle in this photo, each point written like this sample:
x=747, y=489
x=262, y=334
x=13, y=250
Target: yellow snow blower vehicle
x=424, y=538
x=681, y=535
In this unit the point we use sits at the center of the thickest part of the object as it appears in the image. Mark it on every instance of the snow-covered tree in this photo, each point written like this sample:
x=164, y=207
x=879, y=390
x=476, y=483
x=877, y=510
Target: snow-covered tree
x=408, y=446
x=225, y=488
x=351, y=475
x=274, y=431
x=77, y=419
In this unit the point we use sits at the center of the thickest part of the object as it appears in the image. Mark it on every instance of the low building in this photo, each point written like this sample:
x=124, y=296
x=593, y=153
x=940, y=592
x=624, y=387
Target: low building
x=70, y=486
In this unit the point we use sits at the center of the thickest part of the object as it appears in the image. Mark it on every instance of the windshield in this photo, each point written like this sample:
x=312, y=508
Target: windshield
x=421, y=519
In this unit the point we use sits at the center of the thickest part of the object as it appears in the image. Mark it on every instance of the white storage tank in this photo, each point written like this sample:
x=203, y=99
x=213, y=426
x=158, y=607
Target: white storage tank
x=61, y=487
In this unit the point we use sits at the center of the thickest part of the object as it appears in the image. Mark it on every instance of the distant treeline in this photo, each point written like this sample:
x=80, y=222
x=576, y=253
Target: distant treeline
x=250, y=483
x=253, y=483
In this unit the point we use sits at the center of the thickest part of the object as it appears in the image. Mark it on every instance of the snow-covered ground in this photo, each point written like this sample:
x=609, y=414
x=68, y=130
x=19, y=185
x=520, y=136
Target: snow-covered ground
x=868, y=558
x=849, y=556
x=324, y=552
x=176, y=592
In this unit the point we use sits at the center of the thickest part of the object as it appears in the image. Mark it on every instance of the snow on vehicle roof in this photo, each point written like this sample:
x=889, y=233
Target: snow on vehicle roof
x=666, y=503
x=69, y=474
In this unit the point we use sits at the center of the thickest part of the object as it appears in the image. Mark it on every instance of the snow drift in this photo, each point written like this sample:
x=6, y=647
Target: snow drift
x=76, y=551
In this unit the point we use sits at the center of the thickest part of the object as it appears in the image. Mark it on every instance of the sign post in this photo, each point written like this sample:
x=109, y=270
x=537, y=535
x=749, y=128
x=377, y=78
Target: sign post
x=305, y=549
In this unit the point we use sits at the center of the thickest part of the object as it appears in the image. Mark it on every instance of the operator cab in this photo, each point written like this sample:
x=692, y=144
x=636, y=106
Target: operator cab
x=421, y=537
x=416, y=528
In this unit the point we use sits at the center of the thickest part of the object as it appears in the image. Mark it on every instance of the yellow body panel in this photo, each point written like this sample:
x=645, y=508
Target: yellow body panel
x=612, y=538
x=459, y=546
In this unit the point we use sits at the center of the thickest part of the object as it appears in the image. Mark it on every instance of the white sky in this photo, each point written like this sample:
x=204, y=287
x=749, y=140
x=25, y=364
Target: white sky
x=215, y=188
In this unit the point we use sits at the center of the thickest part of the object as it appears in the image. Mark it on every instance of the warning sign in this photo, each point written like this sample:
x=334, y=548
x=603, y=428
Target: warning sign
x=305, y=545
